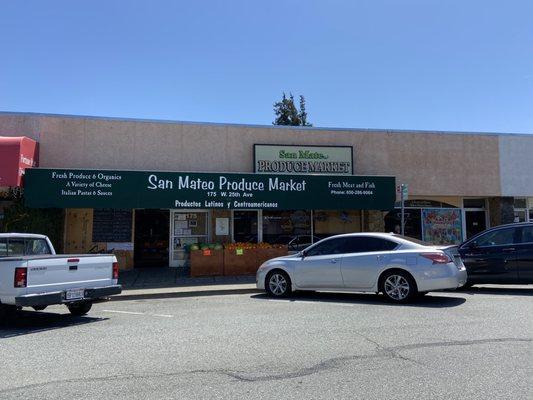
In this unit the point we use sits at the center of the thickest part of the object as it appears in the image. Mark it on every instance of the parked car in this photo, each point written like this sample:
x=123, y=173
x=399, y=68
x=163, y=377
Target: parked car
x=395, y=265
x=33, y=275
x=503, y=254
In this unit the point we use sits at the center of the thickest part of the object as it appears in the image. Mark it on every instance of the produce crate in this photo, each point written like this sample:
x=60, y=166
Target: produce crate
x=240, y=264
x=207, y=262
x=265, y=254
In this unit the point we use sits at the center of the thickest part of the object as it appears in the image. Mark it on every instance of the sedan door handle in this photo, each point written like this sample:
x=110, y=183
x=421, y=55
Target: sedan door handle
x=334, y=260
x=509, y=249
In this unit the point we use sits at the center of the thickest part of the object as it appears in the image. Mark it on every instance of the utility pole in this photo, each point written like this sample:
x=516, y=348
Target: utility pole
x=403, y=196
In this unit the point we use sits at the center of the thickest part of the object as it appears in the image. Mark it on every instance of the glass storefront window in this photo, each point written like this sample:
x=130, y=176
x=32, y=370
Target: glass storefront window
x=282, y=227
x=474, y=203
x=328, y=223
x=520, y=203
x=519, y=215
x=520, y=209
x=188, y=228
x=413, y=222
x=245, y=226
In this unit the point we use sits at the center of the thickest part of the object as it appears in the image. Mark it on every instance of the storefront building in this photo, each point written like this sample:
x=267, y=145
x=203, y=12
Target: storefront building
x=150, y=189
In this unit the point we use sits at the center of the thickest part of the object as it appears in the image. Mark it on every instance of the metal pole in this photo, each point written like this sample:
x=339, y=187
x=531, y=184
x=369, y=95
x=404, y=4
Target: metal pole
x=403, y=210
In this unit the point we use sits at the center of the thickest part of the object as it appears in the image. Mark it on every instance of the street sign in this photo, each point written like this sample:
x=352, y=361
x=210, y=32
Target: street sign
x=402, y=189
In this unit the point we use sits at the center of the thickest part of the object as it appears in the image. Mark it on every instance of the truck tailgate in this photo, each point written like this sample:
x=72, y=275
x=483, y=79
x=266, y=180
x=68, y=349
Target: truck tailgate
x=68, y=272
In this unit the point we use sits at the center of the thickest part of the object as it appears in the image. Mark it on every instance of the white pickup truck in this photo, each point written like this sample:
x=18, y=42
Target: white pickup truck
x=33, y=275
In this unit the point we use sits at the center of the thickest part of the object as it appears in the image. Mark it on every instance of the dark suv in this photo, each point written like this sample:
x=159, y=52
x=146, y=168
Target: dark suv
x=503, y=254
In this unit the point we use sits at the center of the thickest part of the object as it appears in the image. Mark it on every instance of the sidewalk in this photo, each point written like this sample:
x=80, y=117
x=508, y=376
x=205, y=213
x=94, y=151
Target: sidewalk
x=145, y=283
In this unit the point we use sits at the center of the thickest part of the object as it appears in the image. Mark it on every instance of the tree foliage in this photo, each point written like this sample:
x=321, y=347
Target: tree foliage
x=288, y=114
x=45, y=221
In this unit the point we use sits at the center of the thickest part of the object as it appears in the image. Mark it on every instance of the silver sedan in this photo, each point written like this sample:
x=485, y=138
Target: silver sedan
x=397, y=266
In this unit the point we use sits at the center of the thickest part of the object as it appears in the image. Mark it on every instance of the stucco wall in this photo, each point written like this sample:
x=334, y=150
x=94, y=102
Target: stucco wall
x=516, y=164
x=433, y=164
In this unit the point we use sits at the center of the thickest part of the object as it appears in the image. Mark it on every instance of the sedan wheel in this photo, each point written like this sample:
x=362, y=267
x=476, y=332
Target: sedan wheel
x=278, y=284
x=397, y=287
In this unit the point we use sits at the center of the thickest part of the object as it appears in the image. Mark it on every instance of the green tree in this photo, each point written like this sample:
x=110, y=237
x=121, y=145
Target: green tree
x=288, y=114
x=46, y=221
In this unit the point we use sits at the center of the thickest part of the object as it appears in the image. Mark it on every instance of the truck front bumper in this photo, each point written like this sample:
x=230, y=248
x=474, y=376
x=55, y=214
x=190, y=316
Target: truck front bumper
x=47, y=299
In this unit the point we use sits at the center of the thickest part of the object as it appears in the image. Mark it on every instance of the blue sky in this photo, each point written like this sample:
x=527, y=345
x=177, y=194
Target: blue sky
x=462, y=65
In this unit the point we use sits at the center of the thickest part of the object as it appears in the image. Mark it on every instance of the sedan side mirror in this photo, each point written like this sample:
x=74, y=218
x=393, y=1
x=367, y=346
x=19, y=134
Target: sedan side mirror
x=302, y=254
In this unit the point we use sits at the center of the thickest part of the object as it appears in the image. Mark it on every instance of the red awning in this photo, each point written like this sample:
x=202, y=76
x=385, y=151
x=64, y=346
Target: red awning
x=16, y=154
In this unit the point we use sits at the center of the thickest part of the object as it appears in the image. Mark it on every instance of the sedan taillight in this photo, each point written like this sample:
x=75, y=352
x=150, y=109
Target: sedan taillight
x=21, y=277
x=437, y=258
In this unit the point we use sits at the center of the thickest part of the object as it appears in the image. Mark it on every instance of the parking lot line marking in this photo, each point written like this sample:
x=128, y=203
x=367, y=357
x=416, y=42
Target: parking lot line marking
x=124, y=312
x=139, y=313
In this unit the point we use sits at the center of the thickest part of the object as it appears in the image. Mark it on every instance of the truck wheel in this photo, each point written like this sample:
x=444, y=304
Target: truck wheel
x=80, y=308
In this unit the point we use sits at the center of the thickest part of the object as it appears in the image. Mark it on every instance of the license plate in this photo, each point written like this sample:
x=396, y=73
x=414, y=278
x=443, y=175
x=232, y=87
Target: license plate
x=74, y=294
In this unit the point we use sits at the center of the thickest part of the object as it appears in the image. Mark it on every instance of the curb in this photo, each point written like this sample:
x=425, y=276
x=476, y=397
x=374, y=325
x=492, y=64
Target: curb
x=178, y=294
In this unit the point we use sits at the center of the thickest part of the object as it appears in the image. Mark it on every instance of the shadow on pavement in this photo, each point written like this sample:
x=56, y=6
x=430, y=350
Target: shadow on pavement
x=160, y=278
x=191, y=293
x=27, y=322
x=503, y=290
x=432, y=300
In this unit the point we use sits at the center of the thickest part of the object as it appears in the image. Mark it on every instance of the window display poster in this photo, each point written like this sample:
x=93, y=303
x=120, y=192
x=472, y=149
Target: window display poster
x=222, y=226
x=442, y=226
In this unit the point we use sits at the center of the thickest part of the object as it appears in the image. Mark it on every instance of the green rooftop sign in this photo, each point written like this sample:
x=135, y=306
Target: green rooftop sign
x=73, y=188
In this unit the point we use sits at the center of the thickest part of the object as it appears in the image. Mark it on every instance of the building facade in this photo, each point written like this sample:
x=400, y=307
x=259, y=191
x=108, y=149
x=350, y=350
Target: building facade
x=458, y=183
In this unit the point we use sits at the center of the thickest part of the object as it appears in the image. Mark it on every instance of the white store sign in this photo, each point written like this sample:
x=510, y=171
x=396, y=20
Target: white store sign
x=291, y=159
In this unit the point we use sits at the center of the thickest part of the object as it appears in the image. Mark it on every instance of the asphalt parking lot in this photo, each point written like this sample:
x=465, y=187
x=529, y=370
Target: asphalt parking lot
x=464, y=345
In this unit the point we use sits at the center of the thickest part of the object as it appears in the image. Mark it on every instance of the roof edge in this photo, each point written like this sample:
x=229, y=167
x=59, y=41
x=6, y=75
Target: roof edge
x=227, y=124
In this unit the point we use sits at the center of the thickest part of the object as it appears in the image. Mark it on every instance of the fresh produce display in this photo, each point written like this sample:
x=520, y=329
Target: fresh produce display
x=205, y=246
x=245, y=246
x=233, y=246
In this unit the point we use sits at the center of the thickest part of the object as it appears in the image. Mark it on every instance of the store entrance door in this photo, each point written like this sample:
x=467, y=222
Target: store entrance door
x=151, y=238
x=475, y=222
